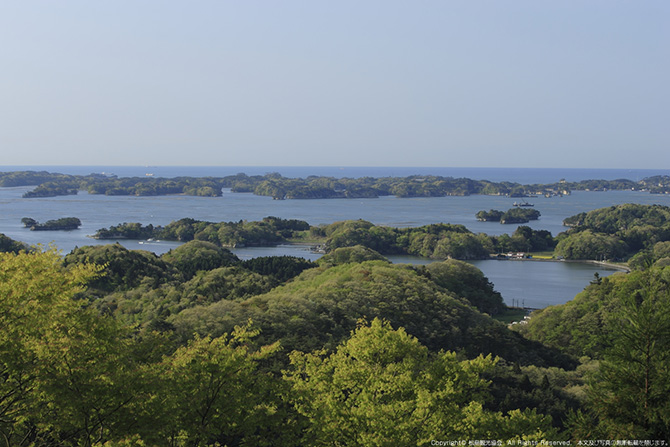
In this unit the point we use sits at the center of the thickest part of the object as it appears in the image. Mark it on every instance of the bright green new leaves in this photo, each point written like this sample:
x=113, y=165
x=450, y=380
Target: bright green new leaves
x=211, y=391
x=34, y=294
x=382, y=387
x=62, y=366
x=72, y=377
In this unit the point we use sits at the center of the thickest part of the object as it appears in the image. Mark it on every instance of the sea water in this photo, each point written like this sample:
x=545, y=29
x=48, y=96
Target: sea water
x=533, y=284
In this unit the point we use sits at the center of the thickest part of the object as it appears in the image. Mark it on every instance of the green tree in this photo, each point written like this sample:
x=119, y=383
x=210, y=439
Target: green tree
x=212, y=393
x=67, y=374
x=9, y=245
x=344, y=255
x=28, y=222
x=123, y=269
x=467, y=281
x=589, y=245
x=195, y=256
x=383, y=388
x=629, y=393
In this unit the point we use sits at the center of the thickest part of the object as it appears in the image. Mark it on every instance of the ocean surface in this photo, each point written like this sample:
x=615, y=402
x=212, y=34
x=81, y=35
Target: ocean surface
x=535, y=284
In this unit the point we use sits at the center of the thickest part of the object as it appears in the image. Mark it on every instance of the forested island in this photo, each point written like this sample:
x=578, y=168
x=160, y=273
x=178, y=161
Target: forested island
x=313, y=187
x=617, y=233
x=62, y=224
x=511, y=216
x=114, y=347
x=437, y=241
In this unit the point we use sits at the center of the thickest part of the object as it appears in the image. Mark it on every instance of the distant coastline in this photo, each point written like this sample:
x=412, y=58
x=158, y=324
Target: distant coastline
x=312, y=186
x=519, y=175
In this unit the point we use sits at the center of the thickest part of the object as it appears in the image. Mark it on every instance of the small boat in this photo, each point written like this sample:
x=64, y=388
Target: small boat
x=524, y=203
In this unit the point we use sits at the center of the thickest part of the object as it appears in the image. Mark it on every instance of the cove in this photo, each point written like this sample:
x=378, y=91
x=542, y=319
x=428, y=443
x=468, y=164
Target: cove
x=533, y=284
x=525, y=283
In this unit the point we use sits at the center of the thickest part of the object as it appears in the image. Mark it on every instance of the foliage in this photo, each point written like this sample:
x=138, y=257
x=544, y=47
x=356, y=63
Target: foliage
x=554, y=392
x=269, y=231
x=519, y=215
x=211, y=392
x=578, y=327
x=524, y=239
x=134, y=230
x=28, y=222
x=72, y=374
x=439, y=241
x=359, y=232
x=611, y=220
x=64, y=223
x=28, y=178
x=123, y=269
x=628, y=393
x=489, y=216
x=53, y=189
x=279, y=268
x=467, y=281
x=240, y=234
x=320, y=307
x=312, y=187
x=622, y=230
x=621, y=321
x=382, y=387
x=195, y=256
x=354, y=254
x=65, y=370
x=230, y=283
x=588, y=245
x=658, y=255
x=511, y=216
x=9, y=245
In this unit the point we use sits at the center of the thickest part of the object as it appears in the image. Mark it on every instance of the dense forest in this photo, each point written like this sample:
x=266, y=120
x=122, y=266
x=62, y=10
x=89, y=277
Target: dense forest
x=64, y=223
x=313, y=187
x=436, y=241
x=616, y=233
x=511, y=216
x=107, y=346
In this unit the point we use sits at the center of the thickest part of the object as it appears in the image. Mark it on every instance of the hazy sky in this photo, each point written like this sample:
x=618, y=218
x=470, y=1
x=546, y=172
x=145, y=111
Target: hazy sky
x=342, y=83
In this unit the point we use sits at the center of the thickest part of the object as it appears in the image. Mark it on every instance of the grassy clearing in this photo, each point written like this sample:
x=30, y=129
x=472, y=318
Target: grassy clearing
x=542, y=254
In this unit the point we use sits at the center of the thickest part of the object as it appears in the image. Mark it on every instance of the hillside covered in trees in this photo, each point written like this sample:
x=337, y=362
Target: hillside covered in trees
x=618, y=232
x=108, y=346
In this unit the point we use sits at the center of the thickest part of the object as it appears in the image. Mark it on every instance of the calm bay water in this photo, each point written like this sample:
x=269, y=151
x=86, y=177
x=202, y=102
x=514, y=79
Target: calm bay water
x=534, y=284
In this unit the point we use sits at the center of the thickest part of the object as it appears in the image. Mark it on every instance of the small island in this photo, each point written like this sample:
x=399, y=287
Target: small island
x=64, y=223
x=512, y=216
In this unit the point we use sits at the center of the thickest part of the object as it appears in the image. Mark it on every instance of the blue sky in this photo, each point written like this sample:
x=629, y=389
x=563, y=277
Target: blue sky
x=347, y=83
